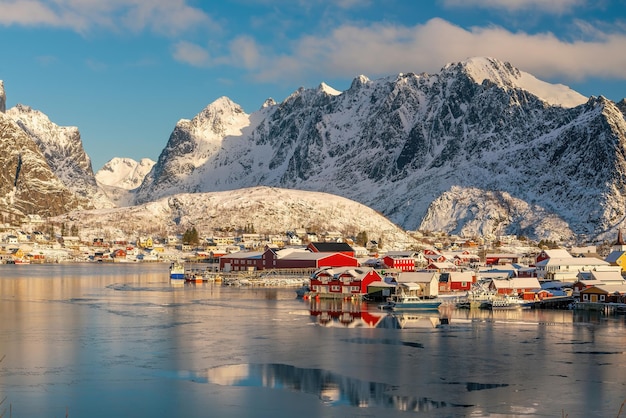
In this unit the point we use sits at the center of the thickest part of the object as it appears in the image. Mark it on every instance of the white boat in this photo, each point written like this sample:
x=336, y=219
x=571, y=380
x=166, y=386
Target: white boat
x=507, y=302
x=177, y=271
x=403, y=301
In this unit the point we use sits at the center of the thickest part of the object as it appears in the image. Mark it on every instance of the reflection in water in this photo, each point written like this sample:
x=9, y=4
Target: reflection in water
x=333, y=389
x=355, y=314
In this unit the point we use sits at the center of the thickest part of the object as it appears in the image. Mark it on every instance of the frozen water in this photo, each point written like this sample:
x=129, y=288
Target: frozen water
x=103, y=340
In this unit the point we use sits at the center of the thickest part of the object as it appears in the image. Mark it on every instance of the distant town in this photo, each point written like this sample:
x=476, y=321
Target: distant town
x=438, y=263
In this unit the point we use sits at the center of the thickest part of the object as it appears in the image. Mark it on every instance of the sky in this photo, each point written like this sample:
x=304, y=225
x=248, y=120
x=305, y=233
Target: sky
x=125, y=71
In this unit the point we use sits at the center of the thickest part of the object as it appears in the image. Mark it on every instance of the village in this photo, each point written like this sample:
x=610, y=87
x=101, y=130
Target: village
x=342, y=267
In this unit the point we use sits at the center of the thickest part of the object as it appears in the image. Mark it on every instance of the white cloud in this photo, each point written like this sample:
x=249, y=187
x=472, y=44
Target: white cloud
x=191, y=54
x=384, y=49
x=160, y=16
x=512, y=6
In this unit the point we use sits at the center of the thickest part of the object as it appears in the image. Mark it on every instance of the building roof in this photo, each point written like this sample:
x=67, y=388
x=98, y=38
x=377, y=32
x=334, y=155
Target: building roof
x=614, y=256
x=609, y=288
x=416, y=276
x=245, y=254
x=557, y=253
x=517, y=283
x=608, y=277
x=572, y=261
x=331, y=247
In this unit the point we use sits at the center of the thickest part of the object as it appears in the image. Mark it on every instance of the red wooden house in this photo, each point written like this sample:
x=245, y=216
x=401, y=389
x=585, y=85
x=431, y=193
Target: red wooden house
x=400, y=263
x=273, y=258
x=343, y=281
x=456, y=281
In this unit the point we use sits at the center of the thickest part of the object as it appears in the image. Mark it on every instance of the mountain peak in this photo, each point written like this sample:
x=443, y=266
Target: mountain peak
x=506, y=75
x=268, y=103
x=359, y=81
x=323, y=87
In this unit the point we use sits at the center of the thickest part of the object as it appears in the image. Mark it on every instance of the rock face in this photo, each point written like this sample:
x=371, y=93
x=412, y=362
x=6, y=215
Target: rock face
x=480, y=136
x=27, y=184
x=63, y=150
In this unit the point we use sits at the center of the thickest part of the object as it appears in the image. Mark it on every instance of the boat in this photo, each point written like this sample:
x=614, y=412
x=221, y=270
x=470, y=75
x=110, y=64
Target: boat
x=403, y=301
x=177, y=271
x=506, y=302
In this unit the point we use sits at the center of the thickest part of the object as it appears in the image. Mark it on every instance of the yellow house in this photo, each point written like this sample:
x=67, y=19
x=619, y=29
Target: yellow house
x=18, y=253
x=145, y=243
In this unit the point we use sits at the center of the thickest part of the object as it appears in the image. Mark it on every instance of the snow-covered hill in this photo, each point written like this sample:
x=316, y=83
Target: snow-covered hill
x=267, y=210
x=400, y=143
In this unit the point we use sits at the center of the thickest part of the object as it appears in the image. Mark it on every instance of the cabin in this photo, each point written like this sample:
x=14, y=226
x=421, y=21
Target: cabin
x=444, y=266
x=594, y=294
x=342, y=281
x=403, y=261
x=420, y=283
x=501, y=258
x=456, y=281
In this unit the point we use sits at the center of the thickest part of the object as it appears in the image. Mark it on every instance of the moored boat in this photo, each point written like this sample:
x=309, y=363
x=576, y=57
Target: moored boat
x=506, y=302
x=401, y=302
x=177, y=271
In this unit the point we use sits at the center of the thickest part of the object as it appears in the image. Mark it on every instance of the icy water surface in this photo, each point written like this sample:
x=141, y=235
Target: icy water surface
x=103, y=340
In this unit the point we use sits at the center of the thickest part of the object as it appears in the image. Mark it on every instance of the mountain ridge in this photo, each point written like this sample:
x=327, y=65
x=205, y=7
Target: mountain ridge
x=398, y=143
x=479, y=148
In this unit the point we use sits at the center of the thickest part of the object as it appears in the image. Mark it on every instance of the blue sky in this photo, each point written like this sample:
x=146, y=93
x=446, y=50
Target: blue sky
x=125, y=71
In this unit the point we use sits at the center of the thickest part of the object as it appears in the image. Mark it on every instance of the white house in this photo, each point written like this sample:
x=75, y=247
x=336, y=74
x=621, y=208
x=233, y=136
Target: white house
x=565, y=269
x=419, y=282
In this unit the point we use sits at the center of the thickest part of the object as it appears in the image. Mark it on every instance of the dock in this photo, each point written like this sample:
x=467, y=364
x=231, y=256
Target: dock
x=555, y=302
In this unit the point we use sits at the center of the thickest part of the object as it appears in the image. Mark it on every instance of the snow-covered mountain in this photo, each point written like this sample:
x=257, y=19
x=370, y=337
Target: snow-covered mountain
x=120, y=176
x=124, y=173
x=63, y=149
x=27, y=184
x=268, y=210
x=480, y=147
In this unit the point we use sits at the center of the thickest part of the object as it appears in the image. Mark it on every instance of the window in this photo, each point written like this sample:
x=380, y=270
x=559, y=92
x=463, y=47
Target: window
x=601, y=298
x=585, y=297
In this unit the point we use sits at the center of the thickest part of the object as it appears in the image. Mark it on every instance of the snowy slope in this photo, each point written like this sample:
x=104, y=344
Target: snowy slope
x=504, y=74
x=268, y=210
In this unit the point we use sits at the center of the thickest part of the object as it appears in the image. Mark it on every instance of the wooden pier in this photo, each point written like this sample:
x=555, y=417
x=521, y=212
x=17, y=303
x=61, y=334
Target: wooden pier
x=607, y=308
x=556, y=302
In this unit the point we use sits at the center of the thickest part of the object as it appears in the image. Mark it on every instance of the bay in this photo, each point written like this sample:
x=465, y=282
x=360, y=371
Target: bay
x=101, y=340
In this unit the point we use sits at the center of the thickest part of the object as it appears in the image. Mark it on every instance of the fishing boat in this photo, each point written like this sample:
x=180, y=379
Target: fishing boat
x=409, y=302
x=177, y=271
x=506, y=302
